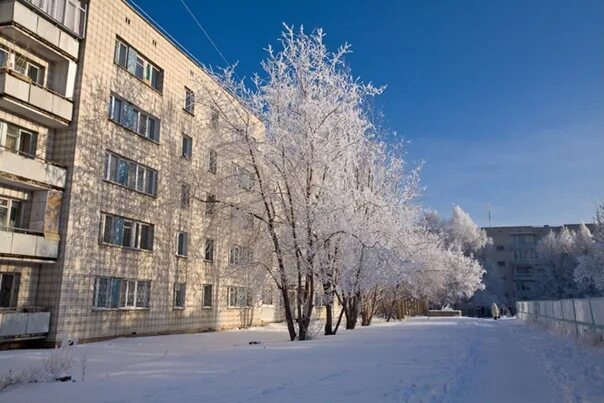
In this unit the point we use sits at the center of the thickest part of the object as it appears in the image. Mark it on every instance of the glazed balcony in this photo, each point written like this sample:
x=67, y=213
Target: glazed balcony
x=59, y=27
x=21, y=96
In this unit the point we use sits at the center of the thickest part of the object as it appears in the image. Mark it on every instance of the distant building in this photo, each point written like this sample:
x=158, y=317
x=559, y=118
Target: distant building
x=513, y=264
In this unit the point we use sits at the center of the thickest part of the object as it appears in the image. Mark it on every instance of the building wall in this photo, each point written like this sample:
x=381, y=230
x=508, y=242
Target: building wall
x=513, y=268
x=83, y=256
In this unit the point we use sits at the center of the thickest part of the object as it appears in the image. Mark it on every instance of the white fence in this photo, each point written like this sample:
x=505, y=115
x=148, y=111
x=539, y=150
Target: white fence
x=582, y=317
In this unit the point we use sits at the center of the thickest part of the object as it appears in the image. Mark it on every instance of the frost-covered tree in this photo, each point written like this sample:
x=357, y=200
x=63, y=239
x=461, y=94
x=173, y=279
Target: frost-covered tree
x=590, y=267
x=456, y=273
x=315, y=125
x=331, y=202
x=462, y=233
x=560, y=253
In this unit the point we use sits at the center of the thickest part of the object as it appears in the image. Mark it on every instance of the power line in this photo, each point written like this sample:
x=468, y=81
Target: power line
x=204, y=31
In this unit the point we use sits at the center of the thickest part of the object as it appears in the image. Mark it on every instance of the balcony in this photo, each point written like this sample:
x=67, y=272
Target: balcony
x=19, y=95
x=25, y=245
x=32, y=170
x=25, y=323
x=22, y=21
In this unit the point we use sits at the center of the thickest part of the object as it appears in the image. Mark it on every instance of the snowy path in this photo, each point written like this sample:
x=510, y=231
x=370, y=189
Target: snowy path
x=420, y=360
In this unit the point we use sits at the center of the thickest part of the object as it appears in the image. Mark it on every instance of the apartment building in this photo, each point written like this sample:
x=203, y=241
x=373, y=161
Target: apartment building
x=513, y=264
x=108, y=224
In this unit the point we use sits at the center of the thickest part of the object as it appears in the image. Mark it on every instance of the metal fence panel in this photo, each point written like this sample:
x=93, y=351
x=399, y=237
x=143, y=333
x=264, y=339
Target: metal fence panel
x=582, y=317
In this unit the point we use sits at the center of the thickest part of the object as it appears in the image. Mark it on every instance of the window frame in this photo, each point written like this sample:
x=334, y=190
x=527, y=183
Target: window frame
x=211, y=203
x=12, y=206
x=139, y=231
x=182, y=250
x=136, y=116
x=189, y=104
x=179, y=296
x=150, y=73
x=213, y=161
x=118, y=292
x=131, y=180
x=209, y=245
x=187, y=147
x=6, y=127
x=245, y=178
x=239, y=297
x=185, y=195
x=13, y=294
x=204, y=296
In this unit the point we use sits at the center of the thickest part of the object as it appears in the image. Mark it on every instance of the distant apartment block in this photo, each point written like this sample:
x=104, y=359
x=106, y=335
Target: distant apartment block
x=513, y=262
x=107, y=221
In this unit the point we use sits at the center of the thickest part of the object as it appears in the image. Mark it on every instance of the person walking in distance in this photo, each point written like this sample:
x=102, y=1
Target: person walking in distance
x=495, y=311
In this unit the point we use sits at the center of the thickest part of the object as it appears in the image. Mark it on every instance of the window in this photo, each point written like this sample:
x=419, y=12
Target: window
x=245, y=179
x=9, y=287
x=267, y=295
x=11, y=213
x=214, y=119
x=120, y=231
x=189, y=100
x=70, y=13
x=130, y=174
x=239, y=297
x=209, y=250
x=179, y=295
x=523, y=270
x=28, y=68
x=319, y=300
x=501, y=263
x=523, y=239
x=500, y=247
x=213, y=161
x=210, y=205
x=185, y=195
x=18, y=140
x=133, y=118
x=3, y=57
x=524, y=254
x=523, y=285
x=182, y=244
x=207, y=296
x=107, y=292
x=115, y=292
x=187, y=147
x=130, y=59
x=247, y=221
x=240, y=255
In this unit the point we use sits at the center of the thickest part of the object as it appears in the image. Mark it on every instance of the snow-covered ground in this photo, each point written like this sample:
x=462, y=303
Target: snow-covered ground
x=419, y=360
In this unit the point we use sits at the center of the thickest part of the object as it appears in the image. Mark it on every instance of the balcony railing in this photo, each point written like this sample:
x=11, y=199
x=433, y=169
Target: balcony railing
x=43, y=105
x=25, y=166
x=24, y=244
x=24, y=323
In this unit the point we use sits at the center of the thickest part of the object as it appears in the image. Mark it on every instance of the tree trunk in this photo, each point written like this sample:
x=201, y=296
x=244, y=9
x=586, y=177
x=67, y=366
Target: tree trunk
x=307, y=307
x=339, y=320
x=328, y=320
x=351, y=310
x=368, y=309
x=289, y=319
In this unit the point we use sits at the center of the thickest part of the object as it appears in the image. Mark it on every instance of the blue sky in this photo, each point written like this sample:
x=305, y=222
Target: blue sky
x=503, y=100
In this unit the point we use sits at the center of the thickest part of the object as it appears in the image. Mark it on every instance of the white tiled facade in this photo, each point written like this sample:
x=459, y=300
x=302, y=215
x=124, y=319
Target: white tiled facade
x=71, y=212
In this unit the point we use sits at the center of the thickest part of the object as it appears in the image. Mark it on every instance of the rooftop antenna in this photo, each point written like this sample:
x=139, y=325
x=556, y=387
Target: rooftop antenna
x=489, y=210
